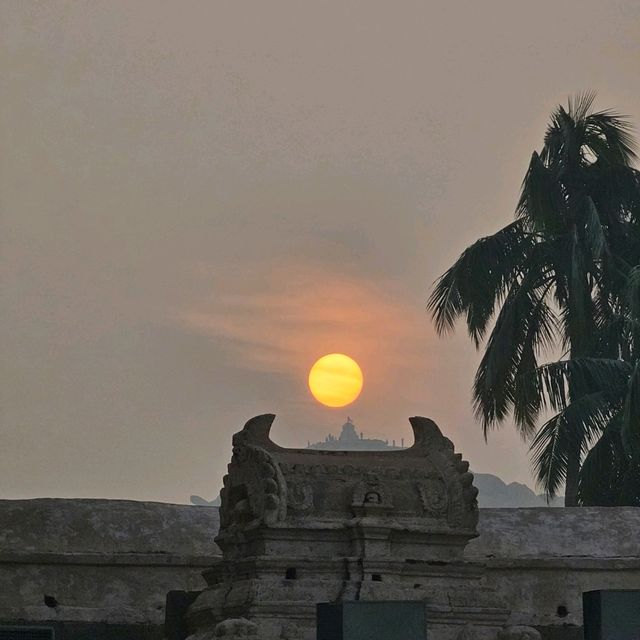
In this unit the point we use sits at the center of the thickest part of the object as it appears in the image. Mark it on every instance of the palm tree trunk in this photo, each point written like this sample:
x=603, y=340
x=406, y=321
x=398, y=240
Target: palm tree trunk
x=573, y=472
x=574, y=453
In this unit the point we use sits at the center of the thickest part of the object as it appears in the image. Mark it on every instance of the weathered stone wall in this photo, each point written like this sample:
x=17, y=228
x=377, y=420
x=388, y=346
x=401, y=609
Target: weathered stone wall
x=541, y=560
x=107, y=561
x=113, y=561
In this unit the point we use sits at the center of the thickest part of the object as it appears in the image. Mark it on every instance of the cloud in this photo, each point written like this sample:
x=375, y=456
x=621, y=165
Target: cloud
x=281, y=318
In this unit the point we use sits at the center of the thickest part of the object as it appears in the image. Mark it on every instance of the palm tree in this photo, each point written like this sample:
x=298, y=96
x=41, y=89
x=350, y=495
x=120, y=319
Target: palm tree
x=554, y=274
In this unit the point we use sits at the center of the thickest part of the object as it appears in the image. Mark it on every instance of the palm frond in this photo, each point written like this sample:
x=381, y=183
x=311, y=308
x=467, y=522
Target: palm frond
x=585, y=376
x=604, y=469
x=550, y=452
x=615, y=190
x=541, y=204
x=478, y=280
x=523, y=314
x=580, y=104
x=610, y=137
x=528, y=399
x=571, y=429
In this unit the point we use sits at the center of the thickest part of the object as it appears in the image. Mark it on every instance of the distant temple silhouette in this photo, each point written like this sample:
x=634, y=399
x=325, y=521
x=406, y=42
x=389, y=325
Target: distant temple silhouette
x=350, y=440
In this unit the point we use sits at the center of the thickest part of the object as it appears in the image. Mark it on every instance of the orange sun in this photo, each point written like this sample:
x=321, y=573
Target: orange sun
x=335, y=380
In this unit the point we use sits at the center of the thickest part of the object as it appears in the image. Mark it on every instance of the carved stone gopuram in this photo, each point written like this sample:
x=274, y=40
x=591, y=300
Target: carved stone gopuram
x=301, y=526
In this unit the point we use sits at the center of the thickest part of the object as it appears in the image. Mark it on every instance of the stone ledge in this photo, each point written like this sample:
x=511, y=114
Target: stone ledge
x=133, y=559
x=575, y=563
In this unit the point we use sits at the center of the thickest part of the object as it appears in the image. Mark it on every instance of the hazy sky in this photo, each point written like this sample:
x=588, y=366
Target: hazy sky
x=201, y=198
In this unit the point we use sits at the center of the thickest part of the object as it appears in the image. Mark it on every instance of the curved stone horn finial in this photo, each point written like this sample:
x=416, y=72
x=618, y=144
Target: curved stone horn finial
x=256, y=430
x=425, y=431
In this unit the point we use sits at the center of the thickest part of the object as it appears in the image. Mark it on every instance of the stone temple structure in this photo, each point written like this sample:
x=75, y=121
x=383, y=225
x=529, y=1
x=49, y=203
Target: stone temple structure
x=350, y=440
x=300, y=527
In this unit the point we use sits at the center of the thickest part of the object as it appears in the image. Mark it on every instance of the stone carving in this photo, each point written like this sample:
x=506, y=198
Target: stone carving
x=469, y=492
x=254, y=491
x=462, y=507
x=290, y=631
x=264, y=480
x=236, y=628
x=350, y=470
x=433, y=496
x=370, y=498
x=468, y=633
x=299, y=496
x=519, y=633
x=302, y=526
x=371, y=491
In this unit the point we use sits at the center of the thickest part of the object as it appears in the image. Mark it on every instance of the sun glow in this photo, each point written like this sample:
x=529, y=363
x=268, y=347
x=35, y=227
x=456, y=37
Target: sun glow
x=335, y=380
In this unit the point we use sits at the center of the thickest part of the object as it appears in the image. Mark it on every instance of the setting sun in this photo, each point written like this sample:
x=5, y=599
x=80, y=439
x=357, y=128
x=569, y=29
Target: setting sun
x=335, y=380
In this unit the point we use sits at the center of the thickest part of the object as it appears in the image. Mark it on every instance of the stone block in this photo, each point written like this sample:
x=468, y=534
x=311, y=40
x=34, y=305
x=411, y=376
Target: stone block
x=398, y=620
x=611, y=615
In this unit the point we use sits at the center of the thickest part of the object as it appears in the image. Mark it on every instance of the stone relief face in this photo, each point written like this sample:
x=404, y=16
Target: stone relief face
x=372, y=497
x=371, y=492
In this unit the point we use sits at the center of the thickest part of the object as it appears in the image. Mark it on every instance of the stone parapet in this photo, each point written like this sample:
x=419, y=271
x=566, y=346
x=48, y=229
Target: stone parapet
x=110, y=563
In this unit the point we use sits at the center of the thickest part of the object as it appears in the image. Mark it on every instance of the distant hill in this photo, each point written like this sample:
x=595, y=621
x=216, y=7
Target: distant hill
x=201, y=502
x=496, y=493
